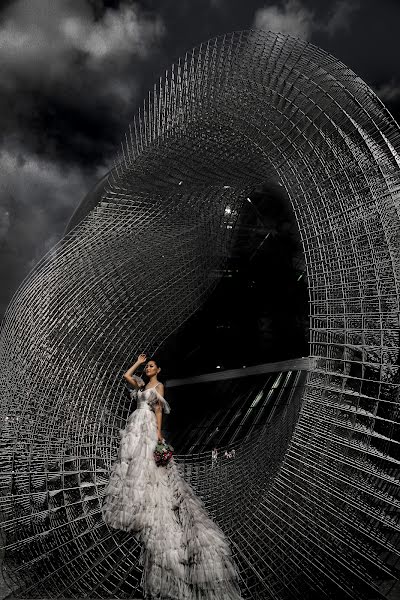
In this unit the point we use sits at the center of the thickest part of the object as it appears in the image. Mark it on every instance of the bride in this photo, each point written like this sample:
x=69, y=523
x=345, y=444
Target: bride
x=185, y=555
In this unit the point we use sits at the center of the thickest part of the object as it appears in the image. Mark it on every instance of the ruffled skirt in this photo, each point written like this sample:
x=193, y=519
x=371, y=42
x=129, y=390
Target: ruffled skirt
x=185, y=555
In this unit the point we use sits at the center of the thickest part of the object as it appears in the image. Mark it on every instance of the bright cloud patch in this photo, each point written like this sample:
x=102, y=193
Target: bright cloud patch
x=293, y=18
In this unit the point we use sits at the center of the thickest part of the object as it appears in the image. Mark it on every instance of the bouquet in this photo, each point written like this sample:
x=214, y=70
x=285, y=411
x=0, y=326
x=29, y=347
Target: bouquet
x=163, y=453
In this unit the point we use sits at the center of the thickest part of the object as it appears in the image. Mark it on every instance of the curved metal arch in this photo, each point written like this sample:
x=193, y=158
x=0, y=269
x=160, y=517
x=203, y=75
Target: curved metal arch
x=141, y=256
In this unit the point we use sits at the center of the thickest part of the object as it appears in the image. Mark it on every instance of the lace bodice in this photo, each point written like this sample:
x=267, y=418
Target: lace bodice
x=149, y=396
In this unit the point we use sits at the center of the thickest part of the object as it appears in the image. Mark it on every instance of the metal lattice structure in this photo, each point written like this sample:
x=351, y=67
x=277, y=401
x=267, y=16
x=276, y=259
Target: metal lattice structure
x=311, y=504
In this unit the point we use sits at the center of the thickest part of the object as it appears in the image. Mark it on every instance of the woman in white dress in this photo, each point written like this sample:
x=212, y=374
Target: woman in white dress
x=185, y=555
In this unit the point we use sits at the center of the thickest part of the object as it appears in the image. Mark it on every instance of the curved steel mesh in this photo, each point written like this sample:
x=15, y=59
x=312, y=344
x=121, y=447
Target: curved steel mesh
x=313, y=512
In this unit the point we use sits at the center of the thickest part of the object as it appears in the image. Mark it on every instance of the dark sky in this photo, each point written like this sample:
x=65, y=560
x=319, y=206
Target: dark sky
x=72, y=73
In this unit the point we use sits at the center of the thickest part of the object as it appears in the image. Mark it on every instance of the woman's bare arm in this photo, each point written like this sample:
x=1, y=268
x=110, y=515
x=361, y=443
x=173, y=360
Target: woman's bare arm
x=158, y=411
x=127, y=376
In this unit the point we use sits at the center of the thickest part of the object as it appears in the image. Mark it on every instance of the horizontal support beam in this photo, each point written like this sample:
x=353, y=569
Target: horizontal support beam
x=296, y=364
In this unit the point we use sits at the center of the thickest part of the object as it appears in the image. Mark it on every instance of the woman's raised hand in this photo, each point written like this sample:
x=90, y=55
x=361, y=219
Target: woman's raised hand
x=141, y=359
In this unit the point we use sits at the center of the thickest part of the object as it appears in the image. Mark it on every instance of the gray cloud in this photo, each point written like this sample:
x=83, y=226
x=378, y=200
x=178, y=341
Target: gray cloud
x=389, y=92
x=70, y=79
x=37, y=198
x=292, y=17
x=64, y=71
x=340, y=17
x=44, y=34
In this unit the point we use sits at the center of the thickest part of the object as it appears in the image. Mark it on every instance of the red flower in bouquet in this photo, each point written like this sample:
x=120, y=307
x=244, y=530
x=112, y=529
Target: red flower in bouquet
x=163, y=454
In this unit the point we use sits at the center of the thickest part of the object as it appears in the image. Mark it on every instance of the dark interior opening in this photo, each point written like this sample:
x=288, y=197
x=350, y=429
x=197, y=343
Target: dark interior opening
x=258, y=312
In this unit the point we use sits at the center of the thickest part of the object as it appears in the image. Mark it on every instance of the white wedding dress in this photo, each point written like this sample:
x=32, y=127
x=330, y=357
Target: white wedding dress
x=185, y=555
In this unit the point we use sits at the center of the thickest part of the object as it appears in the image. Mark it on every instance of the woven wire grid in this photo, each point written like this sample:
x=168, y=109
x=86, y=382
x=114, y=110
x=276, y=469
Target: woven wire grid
x=142, y=254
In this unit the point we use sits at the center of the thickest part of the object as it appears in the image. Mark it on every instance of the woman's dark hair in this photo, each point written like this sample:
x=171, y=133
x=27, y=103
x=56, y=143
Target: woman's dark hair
x=152, y=359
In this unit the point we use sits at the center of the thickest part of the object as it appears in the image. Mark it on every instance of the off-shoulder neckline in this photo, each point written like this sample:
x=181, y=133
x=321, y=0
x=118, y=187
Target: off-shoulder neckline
x=153, y=387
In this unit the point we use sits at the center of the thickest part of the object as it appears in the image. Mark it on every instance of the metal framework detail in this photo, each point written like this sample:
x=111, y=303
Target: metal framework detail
x=311, y=499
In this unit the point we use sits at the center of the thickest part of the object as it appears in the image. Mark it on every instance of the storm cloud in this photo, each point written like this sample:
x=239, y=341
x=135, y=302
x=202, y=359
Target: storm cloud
x=294, y=18
x=70, y=78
